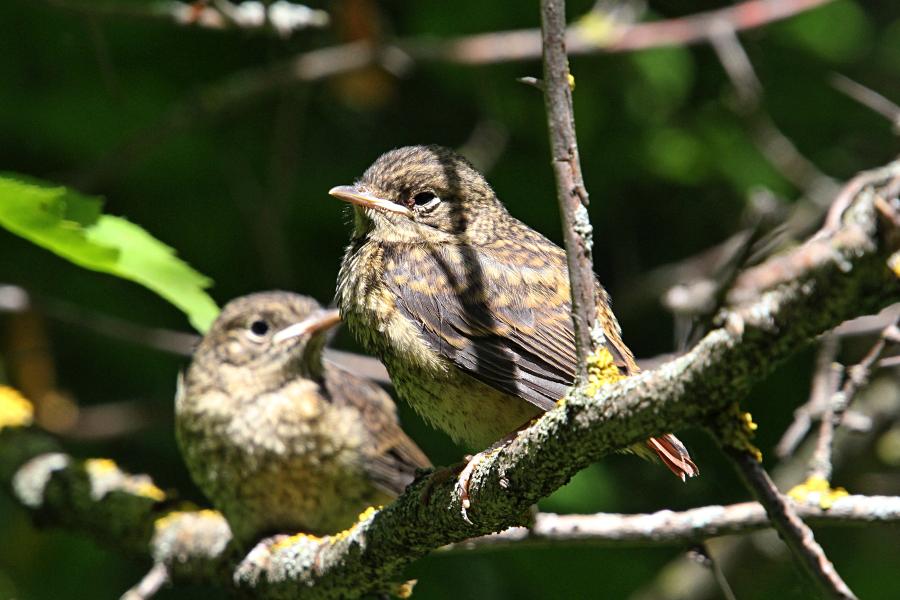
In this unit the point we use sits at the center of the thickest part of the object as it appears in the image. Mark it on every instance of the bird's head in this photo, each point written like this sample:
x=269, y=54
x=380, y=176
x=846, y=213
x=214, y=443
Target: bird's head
x=268, y=335
x=421, y=194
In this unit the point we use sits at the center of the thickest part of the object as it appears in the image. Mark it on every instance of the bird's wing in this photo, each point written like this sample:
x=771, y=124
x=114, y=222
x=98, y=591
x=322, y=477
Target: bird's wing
x=501, y=314
x=392, y=457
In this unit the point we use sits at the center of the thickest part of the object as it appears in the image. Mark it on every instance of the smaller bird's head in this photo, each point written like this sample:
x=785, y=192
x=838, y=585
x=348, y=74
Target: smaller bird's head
x=421, y=193
x=268, y=335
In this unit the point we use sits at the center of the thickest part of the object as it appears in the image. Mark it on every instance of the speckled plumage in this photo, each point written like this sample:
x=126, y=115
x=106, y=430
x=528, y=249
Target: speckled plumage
x=278, y=440
x=468, y=307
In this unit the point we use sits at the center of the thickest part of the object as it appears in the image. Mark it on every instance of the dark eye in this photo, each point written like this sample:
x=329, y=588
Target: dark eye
x=259, y=328
x=425, y=199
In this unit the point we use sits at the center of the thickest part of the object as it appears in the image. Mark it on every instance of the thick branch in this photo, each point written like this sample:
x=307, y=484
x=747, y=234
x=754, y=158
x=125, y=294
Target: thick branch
x=570, y=191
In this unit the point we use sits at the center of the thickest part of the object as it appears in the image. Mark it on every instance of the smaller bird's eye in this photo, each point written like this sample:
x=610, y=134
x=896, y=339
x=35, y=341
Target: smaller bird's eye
x=426, y=199
x=259, y=328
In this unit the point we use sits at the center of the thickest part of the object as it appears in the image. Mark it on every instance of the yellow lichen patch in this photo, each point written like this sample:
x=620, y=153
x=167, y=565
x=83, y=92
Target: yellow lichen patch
x=894, y=263
x=148, y=489
x=15, y=410
x=363, y=516
x=106, y=477
x=737, y=429
x=170, y=518
x=817, y=490
x=291, y=540
x=368, y=513
x=602, y=370
x=405, y=589
x=571, y=79
x=100, y=466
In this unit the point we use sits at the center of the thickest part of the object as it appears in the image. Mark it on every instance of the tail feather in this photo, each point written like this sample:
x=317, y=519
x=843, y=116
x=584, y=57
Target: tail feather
x=674, y=455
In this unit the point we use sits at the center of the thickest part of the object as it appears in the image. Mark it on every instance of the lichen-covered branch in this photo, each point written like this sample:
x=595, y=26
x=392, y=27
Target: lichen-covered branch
x=839, y=274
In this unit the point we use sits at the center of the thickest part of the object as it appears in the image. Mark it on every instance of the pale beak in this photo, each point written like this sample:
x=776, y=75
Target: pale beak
x=351, y=194
x=319, y=321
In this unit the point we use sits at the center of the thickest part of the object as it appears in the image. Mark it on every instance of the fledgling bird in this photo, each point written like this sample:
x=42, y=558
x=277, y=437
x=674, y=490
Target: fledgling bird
x=279, y=440
x=467, y=307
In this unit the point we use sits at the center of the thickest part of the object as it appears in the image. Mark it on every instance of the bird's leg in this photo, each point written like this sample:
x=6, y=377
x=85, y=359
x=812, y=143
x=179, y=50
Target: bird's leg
x=462, y=482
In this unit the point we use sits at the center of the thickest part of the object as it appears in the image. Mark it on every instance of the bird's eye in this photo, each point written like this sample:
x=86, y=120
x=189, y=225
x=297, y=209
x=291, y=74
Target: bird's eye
x=425, y=200
x=259, y=328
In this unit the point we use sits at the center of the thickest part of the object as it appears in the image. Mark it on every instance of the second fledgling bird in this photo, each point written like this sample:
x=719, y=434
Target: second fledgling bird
x=279, y=440
x=468, y=307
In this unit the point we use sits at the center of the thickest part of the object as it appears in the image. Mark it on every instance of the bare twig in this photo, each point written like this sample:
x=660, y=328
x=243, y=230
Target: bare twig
x=796, y=534
x=778, y=149
x=837, y=403
x=570, y=191
x=596, y=33
x=868, y=97
x=826, y=379
x=152, y=582
x=668, y=527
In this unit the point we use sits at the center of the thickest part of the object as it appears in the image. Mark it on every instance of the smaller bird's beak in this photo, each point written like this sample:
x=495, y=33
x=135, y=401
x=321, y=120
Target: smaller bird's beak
x=318, y=321
x=351, y=194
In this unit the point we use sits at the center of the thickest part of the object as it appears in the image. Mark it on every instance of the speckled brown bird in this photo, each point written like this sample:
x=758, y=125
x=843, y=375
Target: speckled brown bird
x=468, y=307
x=279, y=440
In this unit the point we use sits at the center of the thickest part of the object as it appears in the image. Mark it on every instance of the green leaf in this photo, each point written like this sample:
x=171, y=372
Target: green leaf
x=74, y=227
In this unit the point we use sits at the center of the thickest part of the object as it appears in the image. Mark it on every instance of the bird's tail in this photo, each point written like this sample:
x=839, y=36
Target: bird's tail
x=671, y=452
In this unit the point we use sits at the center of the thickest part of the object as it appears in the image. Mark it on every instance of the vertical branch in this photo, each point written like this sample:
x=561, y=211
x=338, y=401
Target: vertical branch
x=796, y=534
x=570, y=190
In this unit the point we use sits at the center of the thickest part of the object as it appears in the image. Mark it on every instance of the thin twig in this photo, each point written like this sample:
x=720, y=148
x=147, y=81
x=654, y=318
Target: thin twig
x=826, y=379
x=668, y=527
x=570, y=190
x=796, y=534
x=778, y=149
x=837, y=403
x=149, y=586
x=869, y=98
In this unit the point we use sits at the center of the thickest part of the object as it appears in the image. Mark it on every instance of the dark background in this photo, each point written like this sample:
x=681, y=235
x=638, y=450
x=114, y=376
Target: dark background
x=129, y=109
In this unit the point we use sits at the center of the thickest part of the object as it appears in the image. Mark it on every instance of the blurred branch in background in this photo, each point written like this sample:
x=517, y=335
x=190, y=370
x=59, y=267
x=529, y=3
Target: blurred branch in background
x=870, y=98
x=594, y=33
x=283, y=18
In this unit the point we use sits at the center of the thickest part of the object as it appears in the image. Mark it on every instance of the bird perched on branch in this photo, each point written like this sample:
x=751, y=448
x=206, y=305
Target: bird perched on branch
x=468, y=307
x=279, y=440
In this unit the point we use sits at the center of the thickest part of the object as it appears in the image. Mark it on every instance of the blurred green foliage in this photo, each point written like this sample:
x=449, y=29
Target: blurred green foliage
x=151, y=116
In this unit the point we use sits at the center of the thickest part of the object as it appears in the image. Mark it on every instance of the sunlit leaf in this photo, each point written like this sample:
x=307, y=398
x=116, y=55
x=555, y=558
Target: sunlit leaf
x=74, y=227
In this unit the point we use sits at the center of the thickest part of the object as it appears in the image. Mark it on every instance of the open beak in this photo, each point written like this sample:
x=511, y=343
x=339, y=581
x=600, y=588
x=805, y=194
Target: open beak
x=318, y=321
x=351, y=194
